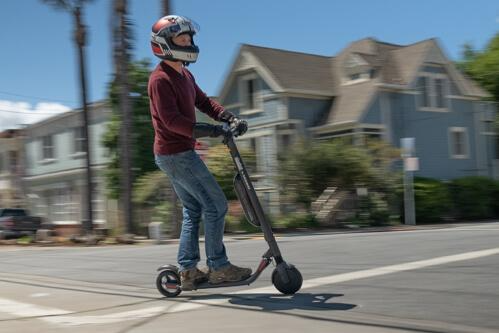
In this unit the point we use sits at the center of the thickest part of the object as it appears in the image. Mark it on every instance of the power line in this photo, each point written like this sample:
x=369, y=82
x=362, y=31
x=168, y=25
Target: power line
x=35, y=97
x=33, y=112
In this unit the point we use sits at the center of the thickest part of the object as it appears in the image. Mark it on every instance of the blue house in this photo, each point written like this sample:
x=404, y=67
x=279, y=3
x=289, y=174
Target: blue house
x=370, y=89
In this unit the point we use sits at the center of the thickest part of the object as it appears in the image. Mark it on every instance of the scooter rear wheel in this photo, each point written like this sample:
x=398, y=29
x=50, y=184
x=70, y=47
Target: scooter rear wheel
x=168, y=283
x=293, y=284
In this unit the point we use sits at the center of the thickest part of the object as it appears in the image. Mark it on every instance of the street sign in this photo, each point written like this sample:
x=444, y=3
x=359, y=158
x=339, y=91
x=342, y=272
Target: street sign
x=411, y=164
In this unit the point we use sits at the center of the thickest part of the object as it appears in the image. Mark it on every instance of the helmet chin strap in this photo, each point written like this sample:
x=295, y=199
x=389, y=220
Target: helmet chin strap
x=185, y=63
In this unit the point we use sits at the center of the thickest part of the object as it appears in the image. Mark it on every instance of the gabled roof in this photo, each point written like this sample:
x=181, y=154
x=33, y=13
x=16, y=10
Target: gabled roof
x=295, y=70
x=288, y=71
x=395, y=65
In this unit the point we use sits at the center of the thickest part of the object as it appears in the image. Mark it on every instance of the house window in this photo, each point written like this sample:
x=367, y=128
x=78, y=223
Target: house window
x=439, y=93
x=433, y=90
x=47, y=147
x=79, y=140
x=13, y=162
x=249, y=93
x=425, y=90
x=458, y=142
x=355, y=76
x=98, y=204
x=61, y=205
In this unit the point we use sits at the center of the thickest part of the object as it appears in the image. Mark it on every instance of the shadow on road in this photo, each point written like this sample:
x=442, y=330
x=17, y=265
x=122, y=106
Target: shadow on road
x=266, y=302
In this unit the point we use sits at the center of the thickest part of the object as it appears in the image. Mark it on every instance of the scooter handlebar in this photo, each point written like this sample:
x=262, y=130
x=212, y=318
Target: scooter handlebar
x=230, y=130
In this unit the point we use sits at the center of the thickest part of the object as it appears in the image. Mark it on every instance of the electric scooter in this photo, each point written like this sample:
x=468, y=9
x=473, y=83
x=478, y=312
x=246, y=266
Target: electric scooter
x=285, y=277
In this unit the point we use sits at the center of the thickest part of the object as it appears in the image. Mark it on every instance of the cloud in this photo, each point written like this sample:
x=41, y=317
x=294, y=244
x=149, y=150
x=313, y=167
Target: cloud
x=19, y=114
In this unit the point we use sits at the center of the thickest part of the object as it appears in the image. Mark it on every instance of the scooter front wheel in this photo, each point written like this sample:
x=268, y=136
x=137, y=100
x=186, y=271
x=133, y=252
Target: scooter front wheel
x=168, y=283
x=293, y=283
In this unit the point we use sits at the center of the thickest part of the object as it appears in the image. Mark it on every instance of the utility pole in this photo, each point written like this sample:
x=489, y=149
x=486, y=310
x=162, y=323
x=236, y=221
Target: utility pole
x=80, y=38
x=75, y=8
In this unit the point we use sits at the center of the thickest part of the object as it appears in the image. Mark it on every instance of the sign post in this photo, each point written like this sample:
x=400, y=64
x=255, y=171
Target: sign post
x=410, y=165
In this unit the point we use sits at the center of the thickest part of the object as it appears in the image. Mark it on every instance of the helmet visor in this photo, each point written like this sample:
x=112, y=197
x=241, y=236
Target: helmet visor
x=183, y=25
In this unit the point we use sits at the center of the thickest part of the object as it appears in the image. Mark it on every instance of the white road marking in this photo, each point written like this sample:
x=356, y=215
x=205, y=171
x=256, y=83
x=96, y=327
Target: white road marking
x=338, y=278
x=106, y=319
x=27, y=310
x=39, y=295
x=63, y=317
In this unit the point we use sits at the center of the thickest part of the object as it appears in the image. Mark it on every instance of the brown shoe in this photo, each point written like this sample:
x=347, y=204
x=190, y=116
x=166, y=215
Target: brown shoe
x=229, y=273
x=191, y=277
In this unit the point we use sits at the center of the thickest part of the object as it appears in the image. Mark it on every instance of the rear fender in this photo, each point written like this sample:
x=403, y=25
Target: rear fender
x=168, y=267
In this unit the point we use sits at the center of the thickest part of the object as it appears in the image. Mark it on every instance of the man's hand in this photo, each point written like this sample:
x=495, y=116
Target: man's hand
x=240, y=125
x=202, y=130
x=226, y=116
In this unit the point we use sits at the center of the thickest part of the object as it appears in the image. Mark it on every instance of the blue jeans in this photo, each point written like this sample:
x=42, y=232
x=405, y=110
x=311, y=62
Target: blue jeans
x=201, y=196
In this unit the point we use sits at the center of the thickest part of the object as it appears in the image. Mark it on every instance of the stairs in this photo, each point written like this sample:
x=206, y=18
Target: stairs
x=327, y=205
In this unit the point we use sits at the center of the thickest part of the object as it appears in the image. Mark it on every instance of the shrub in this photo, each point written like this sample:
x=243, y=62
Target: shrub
x=474, y=197
x=432, y=200
x=378, y=209
x=296, y=220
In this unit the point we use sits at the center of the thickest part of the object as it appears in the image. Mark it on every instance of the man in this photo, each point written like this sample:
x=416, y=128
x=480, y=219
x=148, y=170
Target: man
x=173, y=95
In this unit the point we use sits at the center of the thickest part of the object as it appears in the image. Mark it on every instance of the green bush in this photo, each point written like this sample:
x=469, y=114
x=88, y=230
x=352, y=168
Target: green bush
x=378, y=209
x=474, y=197
x=432, y=200
x=296, y=220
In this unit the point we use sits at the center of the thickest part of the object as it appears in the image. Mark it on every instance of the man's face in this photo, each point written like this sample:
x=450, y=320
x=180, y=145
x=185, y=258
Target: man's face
x=183, y=40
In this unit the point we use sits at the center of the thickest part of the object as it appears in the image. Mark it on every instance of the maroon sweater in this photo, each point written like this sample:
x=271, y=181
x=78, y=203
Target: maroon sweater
x=173, y=98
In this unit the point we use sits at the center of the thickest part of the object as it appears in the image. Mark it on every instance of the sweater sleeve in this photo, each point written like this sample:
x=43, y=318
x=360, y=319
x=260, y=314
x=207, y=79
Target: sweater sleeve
x=163, y=97
x=206, y=104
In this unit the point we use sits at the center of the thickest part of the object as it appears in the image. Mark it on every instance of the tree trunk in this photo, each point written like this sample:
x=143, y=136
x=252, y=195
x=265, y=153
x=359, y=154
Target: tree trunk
x=121, y=49
x=80, y=42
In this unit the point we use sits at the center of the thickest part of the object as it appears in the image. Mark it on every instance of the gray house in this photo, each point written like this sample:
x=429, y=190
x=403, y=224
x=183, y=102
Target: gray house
x=55, y=176
x=370, y=89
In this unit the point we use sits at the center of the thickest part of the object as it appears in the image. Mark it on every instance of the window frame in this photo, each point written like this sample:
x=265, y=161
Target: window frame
x=429, y=96
x=78, y=140
x=250, y=104
x=452, y=143
x=46, y=157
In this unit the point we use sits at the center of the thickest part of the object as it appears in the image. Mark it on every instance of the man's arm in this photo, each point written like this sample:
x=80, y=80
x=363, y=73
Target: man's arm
x=204, y=103
x=163, y=97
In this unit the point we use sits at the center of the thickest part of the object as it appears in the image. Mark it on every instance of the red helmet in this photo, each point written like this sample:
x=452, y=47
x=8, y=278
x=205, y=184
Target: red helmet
x=169, y=27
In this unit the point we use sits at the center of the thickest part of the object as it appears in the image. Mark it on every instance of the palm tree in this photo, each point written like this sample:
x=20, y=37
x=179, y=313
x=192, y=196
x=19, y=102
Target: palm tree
x=75, y=8
x=122, y=45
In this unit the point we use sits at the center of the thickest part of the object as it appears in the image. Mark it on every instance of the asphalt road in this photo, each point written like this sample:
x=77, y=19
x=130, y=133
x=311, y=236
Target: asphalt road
x=423, y=280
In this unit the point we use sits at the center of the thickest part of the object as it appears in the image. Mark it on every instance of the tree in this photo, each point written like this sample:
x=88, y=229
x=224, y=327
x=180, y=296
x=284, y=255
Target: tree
x=310, y=167
x=122, y=49
x=75, y=7
x=142, y=137
x=468, y=56
x=484, y=67
x=219, y=161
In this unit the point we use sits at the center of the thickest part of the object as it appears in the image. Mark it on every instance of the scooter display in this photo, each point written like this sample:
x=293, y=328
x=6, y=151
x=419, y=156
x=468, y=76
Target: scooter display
x=285, y=277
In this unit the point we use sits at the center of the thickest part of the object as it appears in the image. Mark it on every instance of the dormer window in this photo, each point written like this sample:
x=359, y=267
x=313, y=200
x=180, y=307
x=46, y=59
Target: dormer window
x=357, y=69
x=434, y=90
x=355, y=76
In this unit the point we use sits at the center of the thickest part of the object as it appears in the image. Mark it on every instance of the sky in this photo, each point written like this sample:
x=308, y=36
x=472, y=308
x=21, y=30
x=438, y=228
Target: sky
x=38, y=63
